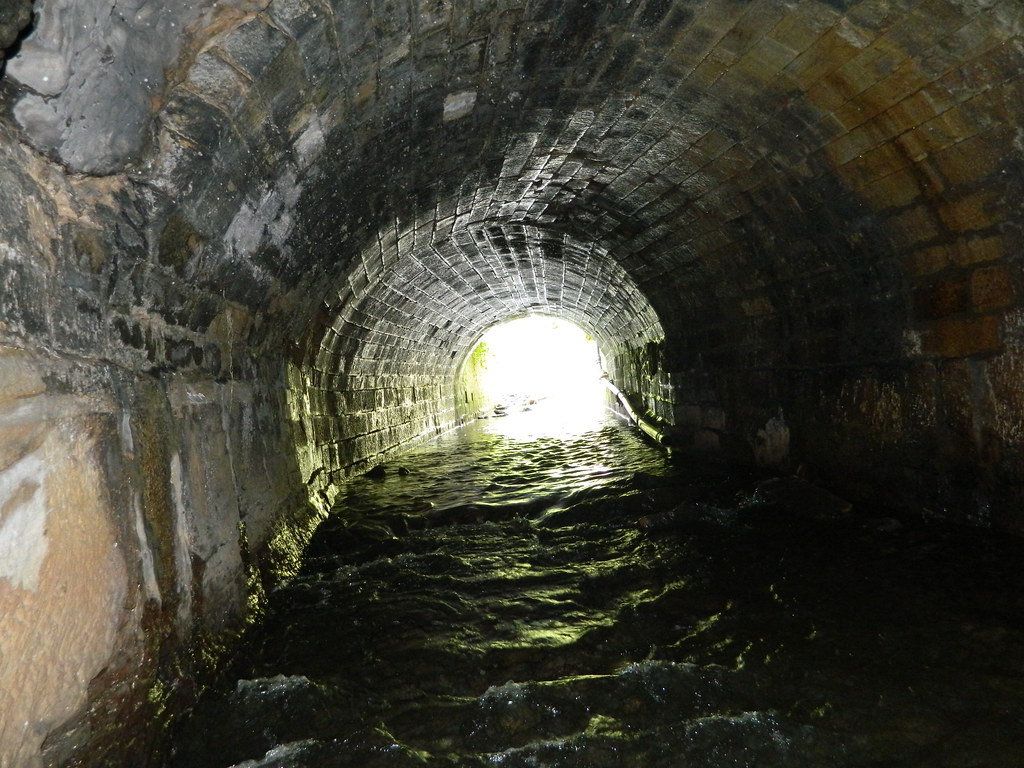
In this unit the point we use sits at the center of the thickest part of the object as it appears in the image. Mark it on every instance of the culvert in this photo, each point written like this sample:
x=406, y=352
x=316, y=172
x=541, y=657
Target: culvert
x=796, y=224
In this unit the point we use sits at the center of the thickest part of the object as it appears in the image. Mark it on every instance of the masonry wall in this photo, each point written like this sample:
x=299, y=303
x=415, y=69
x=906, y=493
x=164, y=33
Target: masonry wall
x=139, y=523
x=355, y=424
x=244, y=246
x=890, y=308
x=148, y=488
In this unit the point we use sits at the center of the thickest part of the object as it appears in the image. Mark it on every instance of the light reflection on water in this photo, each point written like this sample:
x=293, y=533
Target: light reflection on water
x=563, y=416
x=499, y=606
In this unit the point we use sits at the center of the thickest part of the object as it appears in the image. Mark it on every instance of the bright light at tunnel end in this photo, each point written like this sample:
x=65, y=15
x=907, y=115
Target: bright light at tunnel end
x=544, y=368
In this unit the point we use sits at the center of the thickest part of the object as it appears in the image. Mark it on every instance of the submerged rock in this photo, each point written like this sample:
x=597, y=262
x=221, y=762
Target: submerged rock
x=884, y=525
x=687, y=515
x=801, y=497
x=297, y=754
x=259, y=716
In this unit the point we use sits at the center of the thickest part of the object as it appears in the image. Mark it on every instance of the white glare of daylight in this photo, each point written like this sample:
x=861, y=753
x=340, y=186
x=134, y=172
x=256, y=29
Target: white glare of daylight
x=543, y=367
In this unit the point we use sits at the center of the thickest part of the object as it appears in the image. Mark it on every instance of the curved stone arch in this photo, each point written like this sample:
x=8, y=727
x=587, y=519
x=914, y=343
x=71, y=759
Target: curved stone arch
x=396, y=344
x=520, y=269
x=819, y=201
x=684, y=183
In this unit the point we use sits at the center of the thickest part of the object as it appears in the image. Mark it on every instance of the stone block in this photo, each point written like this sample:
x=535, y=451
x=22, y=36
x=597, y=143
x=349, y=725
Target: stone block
x=928, y=261
x=803, y=25
x=912, y=112
x=936, y=134
x=851, y=145
x=252, y=46
x=898, y=93
x=356, y=424
x=965, y=403
x=64, y=586
x=897, y=190
x=991, y=288
x=974, y=158
x=981, y=249
x=301, y=17
x=877, y=163
x=850, y=80
x=1006, y=373
x=198, y=121
x=941, y=298
x=916, y=225
x=178, y=243
x=963, y=337
x=825, y=96
x=19, y=378
x=216, y=81
x=964, y=252
x=19, y=441
x=825, y=55
x=969, y=213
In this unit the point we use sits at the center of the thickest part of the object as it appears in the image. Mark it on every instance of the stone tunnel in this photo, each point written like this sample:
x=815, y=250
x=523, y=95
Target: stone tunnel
x=246, y=246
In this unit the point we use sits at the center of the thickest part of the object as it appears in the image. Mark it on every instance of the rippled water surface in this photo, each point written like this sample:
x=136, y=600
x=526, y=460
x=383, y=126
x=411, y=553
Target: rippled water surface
x=520, y=598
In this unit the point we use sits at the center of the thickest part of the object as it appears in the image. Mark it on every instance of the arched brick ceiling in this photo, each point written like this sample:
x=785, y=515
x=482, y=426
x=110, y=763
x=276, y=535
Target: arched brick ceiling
x=244, y=243
x=420, y=309
x=774, y=179
x=729, y=159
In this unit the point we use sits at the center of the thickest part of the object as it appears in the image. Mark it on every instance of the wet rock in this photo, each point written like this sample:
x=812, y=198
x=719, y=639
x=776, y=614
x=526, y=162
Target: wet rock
x=669, y=496
x=298, y=754
x=464, y=513
x=258, y=716
x=594, y=511
x=687, y=516
x=15, y=16
x=884, y=525
x=358, y=539
x=377, y=473
x=803, y=498
x=747, y=738
x=70, y=104
x=509, y=715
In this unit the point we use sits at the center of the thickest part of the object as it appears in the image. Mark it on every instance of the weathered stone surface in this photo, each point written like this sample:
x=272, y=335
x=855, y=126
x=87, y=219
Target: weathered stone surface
x=793, y=227
x=63, y=583
x=96, y=124
x=15, y=16
x=18, y=377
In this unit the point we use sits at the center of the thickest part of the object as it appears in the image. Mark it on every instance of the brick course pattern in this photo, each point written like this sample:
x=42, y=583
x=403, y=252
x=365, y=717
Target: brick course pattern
x=794, y=228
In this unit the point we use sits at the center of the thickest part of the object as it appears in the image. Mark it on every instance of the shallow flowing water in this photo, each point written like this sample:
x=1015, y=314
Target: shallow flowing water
x=517, y=597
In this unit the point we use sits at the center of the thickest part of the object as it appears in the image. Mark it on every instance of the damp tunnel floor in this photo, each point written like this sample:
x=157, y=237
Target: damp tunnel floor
x=515, y=598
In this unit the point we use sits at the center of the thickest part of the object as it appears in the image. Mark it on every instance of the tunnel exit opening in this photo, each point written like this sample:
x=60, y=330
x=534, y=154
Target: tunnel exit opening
x=537, y=369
